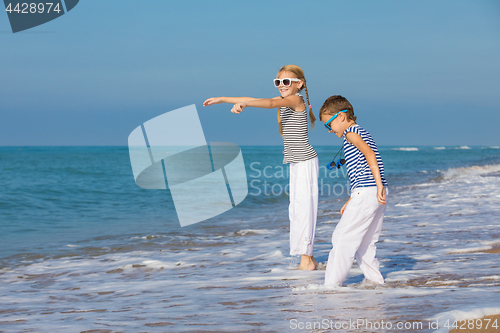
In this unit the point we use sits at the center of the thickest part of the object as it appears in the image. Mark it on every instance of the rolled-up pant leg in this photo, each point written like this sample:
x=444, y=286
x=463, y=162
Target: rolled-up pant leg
x=303, y=209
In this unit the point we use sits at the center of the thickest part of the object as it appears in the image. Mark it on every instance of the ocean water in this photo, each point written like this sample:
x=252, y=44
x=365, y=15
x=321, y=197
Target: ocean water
x=82, y=248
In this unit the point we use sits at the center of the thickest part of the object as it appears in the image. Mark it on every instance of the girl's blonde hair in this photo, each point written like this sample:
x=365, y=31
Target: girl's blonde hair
x=299, y=73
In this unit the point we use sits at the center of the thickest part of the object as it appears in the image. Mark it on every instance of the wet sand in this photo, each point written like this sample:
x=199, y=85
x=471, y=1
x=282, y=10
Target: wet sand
x=493, y=250
x=492, y=320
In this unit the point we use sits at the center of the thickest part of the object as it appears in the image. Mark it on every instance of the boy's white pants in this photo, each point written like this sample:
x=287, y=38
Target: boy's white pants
x=355, y=236
x=303, y=209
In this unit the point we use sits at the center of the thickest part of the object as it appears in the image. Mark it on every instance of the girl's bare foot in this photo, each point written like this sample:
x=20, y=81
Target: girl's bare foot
x=314, y=261
x=307, y=263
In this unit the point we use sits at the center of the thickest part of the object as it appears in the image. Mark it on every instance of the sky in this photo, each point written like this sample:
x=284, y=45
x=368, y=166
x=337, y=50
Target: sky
x=416, y=72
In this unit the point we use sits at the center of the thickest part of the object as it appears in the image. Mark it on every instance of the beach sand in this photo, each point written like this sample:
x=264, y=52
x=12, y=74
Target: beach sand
x=488, y=319
x=493, y=250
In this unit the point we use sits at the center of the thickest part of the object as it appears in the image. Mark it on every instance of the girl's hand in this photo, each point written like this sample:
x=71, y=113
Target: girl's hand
x=211, y=101
x=238, y=107
x=344, y=207
x=381, y=195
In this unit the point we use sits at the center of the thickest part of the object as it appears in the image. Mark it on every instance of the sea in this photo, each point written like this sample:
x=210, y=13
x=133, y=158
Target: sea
x=84, y=249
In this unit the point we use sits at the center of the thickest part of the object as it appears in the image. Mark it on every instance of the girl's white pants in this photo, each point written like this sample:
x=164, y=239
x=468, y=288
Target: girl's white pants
x=303, y=209
x=355, y=236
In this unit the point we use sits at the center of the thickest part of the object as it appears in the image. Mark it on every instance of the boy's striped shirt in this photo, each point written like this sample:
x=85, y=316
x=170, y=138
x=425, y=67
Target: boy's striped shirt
x=358, y=169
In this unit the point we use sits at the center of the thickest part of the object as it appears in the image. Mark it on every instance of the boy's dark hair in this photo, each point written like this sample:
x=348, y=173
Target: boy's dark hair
x=336, y=103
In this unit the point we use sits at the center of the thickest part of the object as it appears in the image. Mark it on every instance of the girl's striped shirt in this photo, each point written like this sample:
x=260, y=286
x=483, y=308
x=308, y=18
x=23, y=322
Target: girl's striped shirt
x=358, y=169
x=295, y=138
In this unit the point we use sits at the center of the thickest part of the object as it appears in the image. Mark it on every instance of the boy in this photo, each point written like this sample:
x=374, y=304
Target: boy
x=362, y=215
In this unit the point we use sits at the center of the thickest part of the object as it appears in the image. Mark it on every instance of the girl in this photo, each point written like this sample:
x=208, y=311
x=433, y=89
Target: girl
x=292, y=119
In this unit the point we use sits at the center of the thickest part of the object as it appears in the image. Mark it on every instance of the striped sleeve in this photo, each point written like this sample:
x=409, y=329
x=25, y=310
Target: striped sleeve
x=360, y=174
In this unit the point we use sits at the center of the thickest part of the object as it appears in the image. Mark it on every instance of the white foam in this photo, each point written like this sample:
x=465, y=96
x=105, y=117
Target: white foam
x=442, y=282
x=394, y=241
x=321, y=287
x=453, y=173
x=278, y=270
x=252, y=232
x=276, y=254
x=406, y=149
x=147, y=237
x=469, y=249
x=491, y=243
x=439, y=148
x=424, y=256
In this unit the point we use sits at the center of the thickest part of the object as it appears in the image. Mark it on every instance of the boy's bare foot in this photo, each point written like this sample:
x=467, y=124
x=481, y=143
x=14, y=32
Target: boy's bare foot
x=307, y=263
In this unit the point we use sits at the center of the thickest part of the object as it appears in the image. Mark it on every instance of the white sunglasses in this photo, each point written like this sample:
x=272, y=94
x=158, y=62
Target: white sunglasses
x=286, y=82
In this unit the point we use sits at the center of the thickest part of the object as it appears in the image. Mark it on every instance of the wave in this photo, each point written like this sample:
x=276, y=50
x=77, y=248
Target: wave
x=463, y=147
x=439, y=148
x=488, y=170
x=406, y=149
x=245, y=232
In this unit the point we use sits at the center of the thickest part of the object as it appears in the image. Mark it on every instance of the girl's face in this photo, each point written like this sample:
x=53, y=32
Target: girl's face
x=294, y=86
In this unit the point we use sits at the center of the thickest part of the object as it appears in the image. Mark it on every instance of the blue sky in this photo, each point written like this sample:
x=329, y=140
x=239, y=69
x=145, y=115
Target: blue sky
x=416, y=72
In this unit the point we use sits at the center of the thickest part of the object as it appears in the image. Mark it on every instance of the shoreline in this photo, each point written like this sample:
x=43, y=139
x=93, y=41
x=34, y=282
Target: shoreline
x=482, y=322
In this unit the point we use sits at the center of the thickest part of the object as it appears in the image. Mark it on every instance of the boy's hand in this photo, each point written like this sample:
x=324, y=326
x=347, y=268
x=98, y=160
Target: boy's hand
x=238, y=107
x=381, y=195
x=211, y=101
x=344, y=207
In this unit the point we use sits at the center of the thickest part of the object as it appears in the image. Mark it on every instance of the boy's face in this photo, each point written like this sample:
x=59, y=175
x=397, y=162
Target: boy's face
x=337, y=125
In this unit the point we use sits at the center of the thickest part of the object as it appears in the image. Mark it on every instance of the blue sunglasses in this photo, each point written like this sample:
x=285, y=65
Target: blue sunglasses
x=327, y=124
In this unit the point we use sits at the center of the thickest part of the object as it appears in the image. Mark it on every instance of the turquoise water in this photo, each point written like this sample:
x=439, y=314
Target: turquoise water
x=83, y=248
x=53, y=196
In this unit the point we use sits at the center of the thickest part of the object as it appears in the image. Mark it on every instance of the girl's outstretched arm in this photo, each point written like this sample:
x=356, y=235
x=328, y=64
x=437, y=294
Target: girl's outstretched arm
x=293, y=101
x=230, y=100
